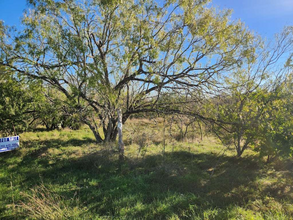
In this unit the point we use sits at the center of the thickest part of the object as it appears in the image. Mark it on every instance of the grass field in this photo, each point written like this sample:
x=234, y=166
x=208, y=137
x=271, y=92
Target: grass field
x=66, y=175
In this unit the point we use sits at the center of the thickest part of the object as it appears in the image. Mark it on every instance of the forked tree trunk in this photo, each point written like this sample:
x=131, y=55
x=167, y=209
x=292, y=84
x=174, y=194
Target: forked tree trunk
x=240, y=149
x=239, y=152
x=120, y=136
x=110, y=132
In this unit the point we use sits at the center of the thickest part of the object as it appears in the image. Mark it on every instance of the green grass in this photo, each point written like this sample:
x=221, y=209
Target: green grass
x=66, y=175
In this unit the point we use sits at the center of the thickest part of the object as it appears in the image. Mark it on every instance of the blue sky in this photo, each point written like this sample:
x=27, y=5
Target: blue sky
x=11, y=11
x=265, y=17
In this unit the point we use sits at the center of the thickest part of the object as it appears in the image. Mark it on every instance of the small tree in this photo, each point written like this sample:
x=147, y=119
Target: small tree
x=276, y=137
x=17, y=97
x=242, y=109
x=240, y=112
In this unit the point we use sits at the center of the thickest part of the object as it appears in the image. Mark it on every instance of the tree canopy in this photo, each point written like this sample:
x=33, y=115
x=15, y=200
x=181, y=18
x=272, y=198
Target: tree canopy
x=104, y=56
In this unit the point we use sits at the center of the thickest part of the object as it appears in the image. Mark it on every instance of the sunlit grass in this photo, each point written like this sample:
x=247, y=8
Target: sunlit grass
x=194, y=179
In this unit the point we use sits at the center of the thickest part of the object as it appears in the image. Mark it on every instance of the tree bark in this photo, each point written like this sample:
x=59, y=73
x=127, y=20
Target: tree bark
x=120, y=136
x=109, y=131
x=95, y=131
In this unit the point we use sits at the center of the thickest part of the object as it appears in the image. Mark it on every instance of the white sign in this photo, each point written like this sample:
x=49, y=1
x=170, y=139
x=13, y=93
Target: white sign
x=9, y=143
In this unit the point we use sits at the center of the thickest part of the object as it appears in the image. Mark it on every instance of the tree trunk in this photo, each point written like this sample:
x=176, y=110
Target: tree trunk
x=239, y=138
x=109, y=131
x=95, y=131
x=114, y=134
x=97, y=135
x=239, y=151
x=120, y=136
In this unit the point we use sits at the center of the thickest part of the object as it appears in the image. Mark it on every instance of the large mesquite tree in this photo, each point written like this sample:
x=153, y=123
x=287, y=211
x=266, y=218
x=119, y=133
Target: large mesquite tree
x=109, y=55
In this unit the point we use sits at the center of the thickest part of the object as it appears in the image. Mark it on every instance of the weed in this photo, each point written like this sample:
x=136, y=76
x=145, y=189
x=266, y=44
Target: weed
x=41, y=203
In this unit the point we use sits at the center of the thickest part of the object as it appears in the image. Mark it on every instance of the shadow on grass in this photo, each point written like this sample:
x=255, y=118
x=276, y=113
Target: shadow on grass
x=41, y=147
x=155, y=187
